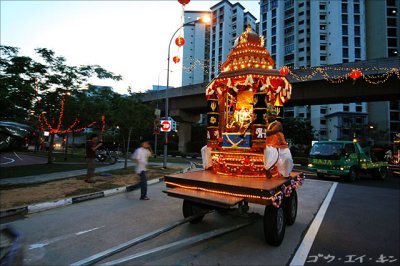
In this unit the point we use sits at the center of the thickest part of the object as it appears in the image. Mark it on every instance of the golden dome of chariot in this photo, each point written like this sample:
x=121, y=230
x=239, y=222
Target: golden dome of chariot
x=248, y=54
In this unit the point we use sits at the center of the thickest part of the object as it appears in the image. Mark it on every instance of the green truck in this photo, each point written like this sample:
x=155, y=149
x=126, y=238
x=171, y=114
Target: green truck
x=344, y=159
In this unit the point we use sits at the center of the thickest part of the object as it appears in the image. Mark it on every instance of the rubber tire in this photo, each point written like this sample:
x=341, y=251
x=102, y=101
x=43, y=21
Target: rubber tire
x=190, y=208
x=291, y=208
x=353, y=175
x=381, y=173
x=274, y=225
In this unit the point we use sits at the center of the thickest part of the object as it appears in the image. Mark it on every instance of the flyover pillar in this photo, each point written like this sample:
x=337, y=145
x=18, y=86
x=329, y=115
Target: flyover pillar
x=184, y=133
x=185, y=120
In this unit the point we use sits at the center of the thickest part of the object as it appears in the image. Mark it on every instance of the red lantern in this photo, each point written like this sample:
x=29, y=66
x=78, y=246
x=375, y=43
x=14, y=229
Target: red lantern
x=284, y=70
x=176, y=59
x=180, y=41
x=355, y=74
x=184, y=2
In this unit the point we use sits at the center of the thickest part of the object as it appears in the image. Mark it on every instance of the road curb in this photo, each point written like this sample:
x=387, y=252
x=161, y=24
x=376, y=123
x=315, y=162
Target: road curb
x=44, y=206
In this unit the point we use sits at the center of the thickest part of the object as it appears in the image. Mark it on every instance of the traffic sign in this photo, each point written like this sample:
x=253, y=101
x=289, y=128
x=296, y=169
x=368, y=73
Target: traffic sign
x=165, y=126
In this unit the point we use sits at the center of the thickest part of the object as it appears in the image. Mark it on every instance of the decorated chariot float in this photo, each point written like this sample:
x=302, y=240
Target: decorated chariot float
x=239, y=101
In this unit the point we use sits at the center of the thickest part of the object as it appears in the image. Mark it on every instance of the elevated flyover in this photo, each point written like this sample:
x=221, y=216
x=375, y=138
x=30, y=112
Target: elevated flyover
x=188, y=102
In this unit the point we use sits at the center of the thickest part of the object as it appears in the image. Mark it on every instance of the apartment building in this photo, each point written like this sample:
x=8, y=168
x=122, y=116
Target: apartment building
x=383, y=33
x=306, y=33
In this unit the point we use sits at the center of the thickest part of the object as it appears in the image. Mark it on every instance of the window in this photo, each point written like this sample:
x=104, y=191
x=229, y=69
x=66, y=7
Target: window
x=394, y=116
x=357, y=19
x=322, y=57
x=356, y=8
x=346, y=108
x=357, y=30
x=357, y=41
x=391, y=32
x=358, y=108
x=359, y=120
x=301, y=49
x=344, y=19
x=392, y=42
x=357, y=52
x=323, y=121
x=301, y=22
x=322, y=17
x=323, y=111
x=322, y=37
x=345, y=30
x=301, y=31
x=345, y=41
x=394, y=105
x=345, y=52
x=322, y=27
x=344, y=8
x=322, y=47
x=391, y=22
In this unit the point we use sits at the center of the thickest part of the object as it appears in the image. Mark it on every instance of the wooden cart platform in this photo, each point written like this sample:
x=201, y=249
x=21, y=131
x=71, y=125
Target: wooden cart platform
x=215, y=189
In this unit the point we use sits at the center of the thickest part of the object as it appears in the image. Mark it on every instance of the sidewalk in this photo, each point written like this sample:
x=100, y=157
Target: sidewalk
x=36, y=179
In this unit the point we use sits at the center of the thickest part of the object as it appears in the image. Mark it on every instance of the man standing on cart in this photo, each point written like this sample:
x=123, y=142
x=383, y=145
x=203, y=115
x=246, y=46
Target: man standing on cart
x=277, y=156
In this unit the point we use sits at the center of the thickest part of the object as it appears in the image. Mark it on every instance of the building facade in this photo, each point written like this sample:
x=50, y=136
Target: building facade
x=308, y=33
x=228, y=21
x=196, y=50
x=383, y=24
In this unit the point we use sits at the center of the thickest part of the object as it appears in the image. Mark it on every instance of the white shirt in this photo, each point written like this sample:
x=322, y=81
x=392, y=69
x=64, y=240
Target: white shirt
x=142, y=156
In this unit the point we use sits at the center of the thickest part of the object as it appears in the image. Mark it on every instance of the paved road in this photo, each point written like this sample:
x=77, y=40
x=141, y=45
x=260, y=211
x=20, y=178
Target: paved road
x=361, y=226
x=69, y=234
x=17, y=159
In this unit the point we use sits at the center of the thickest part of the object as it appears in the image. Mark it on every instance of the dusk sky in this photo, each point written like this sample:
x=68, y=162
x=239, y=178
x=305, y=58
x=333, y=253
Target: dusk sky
x=129, y=38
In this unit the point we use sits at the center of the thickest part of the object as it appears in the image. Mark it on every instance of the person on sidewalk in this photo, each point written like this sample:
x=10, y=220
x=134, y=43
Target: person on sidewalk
x=141, y=157
x=91, y=147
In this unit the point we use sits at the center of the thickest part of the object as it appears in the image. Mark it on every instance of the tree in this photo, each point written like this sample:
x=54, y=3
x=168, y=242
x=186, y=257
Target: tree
x=33, y=91
x=134, y=118
x=298, y=131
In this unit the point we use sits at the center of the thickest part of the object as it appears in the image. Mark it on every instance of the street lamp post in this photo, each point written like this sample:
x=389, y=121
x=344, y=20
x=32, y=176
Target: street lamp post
x=204, y=19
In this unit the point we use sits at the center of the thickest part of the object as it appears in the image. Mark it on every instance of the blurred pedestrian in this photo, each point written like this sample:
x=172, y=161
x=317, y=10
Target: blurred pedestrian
x=141, y=158
x=91, y=147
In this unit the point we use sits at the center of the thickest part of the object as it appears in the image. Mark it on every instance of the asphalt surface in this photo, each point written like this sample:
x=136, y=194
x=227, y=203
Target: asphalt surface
x=66, y=235
x=361, y=226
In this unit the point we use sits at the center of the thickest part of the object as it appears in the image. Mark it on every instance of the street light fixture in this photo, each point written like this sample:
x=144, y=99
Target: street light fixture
x=206, y=20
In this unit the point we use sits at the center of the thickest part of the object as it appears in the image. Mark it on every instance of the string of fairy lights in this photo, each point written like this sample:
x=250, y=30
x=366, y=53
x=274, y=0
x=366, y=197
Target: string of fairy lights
x=45, y=124
x=334, y=75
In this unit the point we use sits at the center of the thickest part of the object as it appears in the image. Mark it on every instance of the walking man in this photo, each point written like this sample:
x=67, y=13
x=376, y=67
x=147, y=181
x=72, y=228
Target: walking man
x=141, y=157
x=91, y=147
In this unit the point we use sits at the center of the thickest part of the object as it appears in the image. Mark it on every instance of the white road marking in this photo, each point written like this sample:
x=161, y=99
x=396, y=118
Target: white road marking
x=17, y=156
x=56, y=239
x=302, y=252
x=11, y=160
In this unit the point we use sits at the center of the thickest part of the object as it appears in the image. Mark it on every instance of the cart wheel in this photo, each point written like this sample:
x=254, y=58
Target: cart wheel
x=274, y=225
x=353, y=174
x=190, y=208
x=291, y=208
